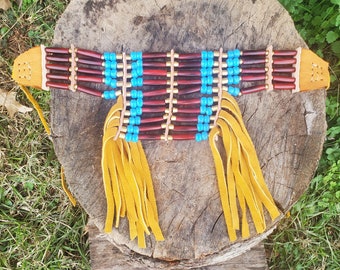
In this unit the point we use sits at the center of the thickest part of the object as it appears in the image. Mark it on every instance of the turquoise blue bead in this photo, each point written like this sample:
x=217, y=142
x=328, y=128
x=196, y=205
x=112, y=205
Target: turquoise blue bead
x=207, y=80
x=206, y=119
x=203, y=101
x=134, y=138
x=109, y=95
x=130, y=129
x=139, y=102
x=111, y=82
x=204, y=54
x=133, y=112
x=137, y=120
x=136, y=82
x=210, y=101
x=138, y=110
x=128, y=137
x=234, y=91
x=110, y=56
x=208, y=111
x=132, y=121
x=110, y=64
x=233, y=70
x=136, y=55
x=198, y=137
x=110, y=73
x=133, y=93
x=209, y=90
x=200, y=118
x=204, y=89
x=200, y=127
x=204, y=135
x=133, y=103
x=139, y=94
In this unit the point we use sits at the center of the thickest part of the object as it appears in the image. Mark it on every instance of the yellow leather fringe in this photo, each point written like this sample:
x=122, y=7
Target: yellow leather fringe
x=127, y=182
x=37, y=108
x=48, y=131
x=239, y=174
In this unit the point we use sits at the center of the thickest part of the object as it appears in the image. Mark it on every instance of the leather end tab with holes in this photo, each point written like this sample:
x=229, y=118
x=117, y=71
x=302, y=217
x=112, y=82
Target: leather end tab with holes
x=314, y=72
x=27, y=68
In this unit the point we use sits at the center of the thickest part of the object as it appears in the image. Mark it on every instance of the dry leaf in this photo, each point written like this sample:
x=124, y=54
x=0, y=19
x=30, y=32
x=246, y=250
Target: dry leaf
x=8, y=100
x=5, y=4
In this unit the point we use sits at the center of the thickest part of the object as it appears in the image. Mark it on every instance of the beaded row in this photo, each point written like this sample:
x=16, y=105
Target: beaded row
x=110, y=73
x=206, y=101
x=233, y=71
x=134, y=120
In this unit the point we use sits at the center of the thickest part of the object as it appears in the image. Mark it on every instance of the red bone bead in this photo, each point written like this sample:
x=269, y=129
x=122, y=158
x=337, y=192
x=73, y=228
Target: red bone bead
x=283, y=69
x=90, y=71
x=284, y=52
x=189, y=56
x=189, y=64
x=188, y=73
x=185, y=128
x=188, y=110
x=183, y=136
x=253, y=89
x=253, y=61
x=284, y=61
x=192, y=119
x=151, y=119
x=149, y=137
x=283, y=79
x=252, y=78
x=89, y=53
x=90, y=62
x=187, y=82
x=143, y=128
x=153, y=109
x=153, y=93
x=58, y=67
x=283, y=86
x=57, y=76
x=188, y=101
x=90, y=79
x=153, y=102
x=56, y=50
x=89, y=91
x=57, y=58
x=254, y=52
x=189, y=90
x=154, y=64
x=155, y=72
x=253, y=70
x=57, y=85
x=155, y=82
x=154, y=55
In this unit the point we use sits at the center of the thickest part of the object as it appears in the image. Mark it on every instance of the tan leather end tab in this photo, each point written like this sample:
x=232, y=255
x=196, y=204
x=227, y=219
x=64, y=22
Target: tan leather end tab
x=27, y=68
x=314, y=72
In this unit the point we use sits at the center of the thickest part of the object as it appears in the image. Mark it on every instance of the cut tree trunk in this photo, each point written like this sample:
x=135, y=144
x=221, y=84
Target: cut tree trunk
x=287, y=129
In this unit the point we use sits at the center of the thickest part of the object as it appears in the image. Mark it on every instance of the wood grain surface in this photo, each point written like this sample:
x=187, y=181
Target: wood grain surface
x=287, y=129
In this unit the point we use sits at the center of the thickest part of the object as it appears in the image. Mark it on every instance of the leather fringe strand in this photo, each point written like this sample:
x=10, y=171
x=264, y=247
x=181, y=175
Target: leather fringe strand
x=127, y=182
x=239, y=175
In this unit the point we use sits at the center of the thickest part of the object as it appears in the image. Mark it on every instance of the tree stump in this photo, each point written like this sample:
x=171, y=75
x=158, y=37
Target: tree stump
x=287, y=129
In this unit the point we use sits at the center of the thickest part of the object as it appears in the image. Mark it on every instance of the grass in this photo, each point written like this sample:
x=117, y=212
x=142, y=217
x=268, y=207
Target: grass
x=310, y=237
x=40, y=229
